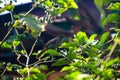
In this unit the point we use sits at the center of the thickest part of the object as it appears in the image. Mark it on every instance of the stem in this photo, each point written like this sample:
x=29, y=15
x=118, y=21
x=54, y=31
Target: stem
x=6, y=36
x=41, y=61
x=108, y=58
x=18, y=56
x=21, y=43
x=30, y=10
x=33, y=46
x=27, y=65
x=11, y=28
x=3, y=71
x=11, y=17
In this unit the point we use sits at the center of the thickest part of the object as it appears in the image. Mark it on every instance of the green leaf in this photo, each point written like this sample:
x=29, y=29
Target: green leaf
x=34, y=70
x=81, y=37
x=73, y=76
x=23, y=71
x=114, y=6
x=2, y=10
x=38, y=76
x=104, y=37
x=59, y=78
x=71, y=55
x=52, y=52
x=60, y=62
x=68, y=68
x=106, y=1
x=43, y=67
x=6, y=45
x=48, y=3
x=111, y=62
x=114, y=18
x=92, y=37
x=33, y=25
x=16, y=43
x=9, y=7
x=58, y=11
x=11, y=39
x=62, y=6
x=73, y=4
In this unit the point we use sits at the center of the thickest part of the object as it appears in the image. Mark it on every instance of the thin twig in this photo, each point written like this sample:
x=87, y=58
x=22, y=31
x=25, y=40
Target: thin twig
x=4, y=71
x=6, y=36
x=29, y=11
x=12, y=17
x=21, y=43
x=18, y=57
x=107, y=58
x=11, y=28
x=27, y=65
x=33, y=46
x=43, y=62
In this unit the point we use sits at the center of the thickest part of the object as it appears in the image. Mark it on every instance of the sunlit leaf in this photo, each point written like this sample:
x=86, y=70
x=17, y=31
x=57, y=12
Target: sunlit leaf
x=43, y=67
x=114, y=6
x=114, y=18
x=52, y=52
x=9, y=7
x=16, y=43
x=34, y=70
x=6, y=45
x=38, y=76
x=60, y=62
x=67, y=68
x=82, y=37
x=73, y=5
x=104, y=37
x=22, y=71
x=111, y=62
x=92, y=37
x=73, y=76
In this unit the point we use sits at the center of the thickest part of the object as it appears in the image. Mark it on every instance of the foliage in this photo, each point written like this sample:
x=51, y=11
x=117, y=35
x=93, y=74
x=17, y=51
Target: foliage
x=32, y=27
x=83, y=58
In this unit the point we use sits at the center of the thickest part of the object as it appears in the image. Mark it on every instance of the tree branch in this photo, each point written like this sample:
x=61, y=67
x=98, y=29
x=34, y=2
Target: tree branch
x=108, y=57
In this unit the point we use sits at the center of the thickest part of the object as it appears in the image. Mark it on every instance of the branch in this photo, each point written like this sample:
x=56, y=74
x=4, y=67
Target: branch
x=41, y=61
x=3, y=71
x=18, y=59
x=21, y=43
x=108, y=57
x=33, y=46
x=6, y=36
x=11, y=28
x=18, y=56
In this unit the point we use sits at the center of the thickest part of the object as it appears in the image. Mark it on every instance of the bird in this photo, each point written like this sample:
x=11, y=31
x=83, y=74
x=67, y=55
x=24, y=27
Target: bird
x=52, y=44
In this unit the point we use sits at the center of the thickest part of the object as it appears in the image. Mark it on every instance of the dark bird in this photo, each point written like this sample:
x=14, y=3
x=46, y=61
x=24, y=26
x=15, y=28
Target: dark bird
x=52, y=44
